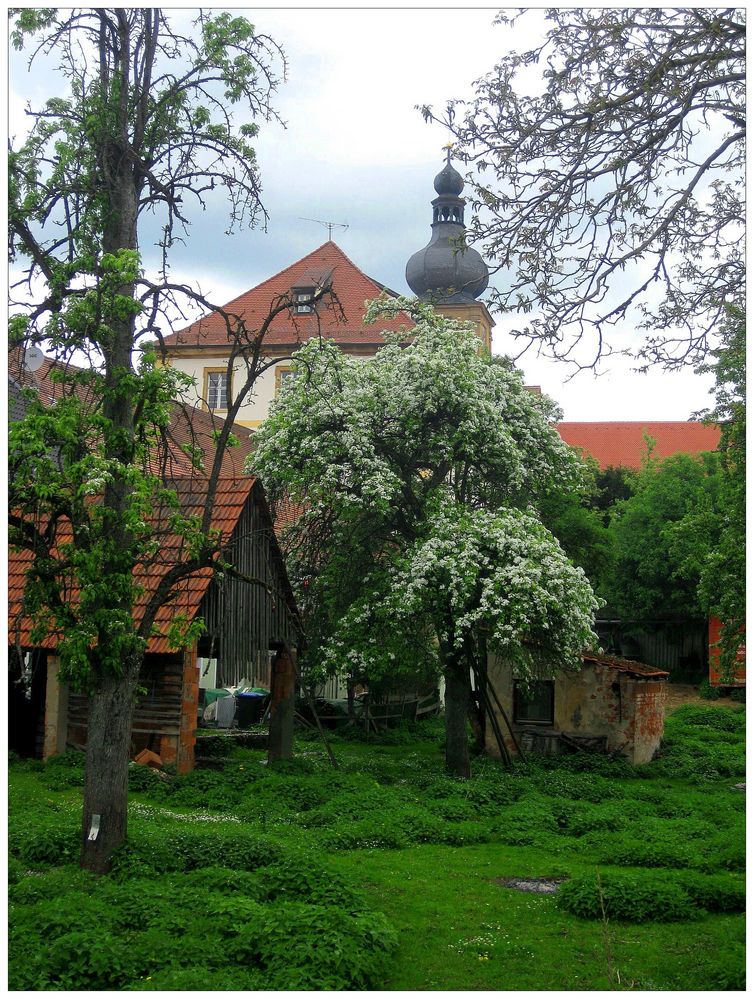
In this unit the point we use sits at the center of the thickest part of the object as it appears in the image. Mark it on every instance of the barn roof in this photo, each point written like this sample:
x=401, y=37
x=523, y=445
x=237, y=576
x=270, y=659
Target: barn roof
x=623, y=443
x=188, y=426
x=340, y=320
x=231, y=498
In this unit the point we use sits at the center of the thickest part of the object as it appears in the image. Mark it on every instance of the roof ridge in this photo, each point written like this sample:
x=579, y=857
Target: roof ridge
x=261, y=284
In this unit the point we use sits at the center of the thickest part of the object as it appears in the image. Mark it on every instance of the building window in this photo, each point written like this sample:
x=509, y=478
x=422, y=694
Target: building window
x=282, y=372
x=534, y=703
x=302, y=304
x=216, y=389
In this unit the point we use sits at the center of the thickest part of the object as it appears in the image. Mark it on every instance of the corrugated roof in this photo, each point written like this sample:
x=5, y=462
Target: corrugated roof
x=341, y=321
x=623, y=443
x=625, y=665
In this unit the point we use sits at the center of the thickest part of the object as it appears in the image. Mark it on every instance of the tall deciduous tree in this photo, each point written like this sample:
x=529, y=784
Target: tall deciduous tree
x=615, y=190
x=722, y=585
x=145, y=126
x=420, y=472
x=663, y=536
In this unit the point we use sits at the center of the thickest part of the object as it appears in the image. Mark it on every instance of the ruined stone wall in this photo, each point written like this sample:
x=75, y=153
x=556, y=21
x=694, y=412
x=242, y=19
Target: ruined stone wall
x=597, y=701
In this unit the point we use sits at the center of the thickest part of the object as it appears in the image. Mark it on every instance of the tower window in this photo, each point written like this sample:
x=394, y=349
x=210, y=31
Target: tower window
x=216, y=388
x=302, y=304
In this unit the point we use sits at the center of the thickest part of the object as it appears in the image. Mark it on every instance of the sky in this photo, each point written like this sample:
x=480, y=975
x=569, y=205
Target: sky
x=356, y=151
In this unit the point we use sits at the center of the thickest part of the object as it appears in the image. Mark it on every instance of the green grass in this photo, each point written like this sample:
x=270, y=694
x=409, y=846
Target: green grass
x=385, y=872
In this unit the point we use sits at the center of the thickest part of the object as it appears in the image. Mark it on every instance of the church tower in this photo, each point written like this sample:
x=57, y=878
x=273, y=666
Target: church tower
x=447, y=273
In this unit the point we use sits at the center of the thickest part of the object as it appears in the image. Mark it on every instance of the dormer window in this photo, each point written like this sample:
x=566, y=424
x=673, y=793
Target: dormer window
x=302, y=301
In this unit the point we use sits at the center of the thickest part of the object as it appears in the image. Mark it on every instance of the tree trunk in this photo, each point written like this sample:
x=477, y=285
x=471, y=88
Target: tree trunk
x=351, y=694
x=108, y=743
x=457, y=702
x=477, y=711
x=282, y=706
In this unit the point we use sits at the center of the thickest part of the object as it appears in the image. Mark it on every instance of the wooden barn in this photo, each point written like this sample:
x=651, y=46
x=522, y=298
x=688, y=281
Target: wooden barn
x=244, y=611
x=242, y=619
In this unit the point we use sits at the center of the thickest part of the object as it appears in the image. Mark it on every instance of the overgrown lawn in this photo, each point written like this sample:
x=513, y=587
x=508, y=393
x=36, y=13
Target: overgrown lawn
x=386, y=873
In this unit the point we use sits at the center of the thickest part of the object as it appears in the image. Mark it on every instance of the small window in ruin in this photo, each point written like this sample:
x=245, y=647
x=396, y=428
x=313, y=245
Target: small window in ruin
x=534, y=703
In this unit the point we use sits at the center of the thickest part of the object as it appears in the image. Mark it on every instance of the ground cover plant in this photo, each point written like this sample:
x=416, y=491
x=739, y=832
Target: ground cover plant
x=387, y=873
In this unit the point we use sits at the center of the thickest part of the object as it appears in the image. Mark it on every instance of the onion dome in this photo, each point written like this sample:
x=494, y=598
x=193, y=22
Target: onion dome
x=447, y=271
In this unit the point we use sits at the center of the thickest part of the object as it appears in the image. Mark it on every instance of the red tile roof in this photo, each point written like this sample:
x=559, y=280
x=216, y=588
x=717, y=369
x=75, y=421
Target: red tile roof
x=231, y=498
x=623, y=443
x=341, y=321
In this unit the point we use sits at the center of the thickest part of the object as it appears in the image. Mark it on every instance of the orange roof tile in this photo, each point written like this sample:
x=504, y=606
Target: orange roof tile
x=341, y=321
x=623, y=443
x=625, y=665
x=232, y=495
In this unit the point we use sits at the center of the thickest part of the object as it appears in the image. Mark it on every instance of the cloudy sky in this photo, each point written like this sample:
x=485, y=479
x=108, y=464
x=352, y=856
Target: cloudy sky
x=356, y=151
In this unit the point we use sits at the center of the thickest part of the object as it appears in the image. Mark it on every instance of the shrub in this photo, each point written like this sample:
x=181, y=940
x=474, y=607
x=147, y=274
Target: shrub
x=31, y=888
x=64, y=771
x=715, y=893
x=146, y=780
x=16, y=870
x=93, y=959
x=302, y=876
x=719, y=719
x=165, y=848
x=318, y=947
x=707, y=691
x=45, y=843
x=366, y=834
x=635, y=898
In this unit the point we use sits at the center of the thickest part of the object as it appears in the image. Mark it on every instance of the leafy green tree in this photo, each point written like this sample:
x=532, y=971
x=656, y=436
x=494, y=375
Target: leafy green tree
x=658, y=558
x=145, y=124
x=722, y=585
x=421, y=471
x=615, y=189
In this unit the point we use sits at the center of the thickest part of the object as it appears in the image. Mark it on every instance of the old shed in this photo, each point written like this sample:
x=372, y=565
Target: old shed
x=611, y=704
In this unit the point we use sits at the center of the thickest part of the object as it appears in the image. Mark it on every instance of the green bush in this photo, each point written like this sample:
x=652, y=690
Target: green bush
x=635, y=898
x=719, y=719
x=317, y=947
x=37, y=886
x=715, y=893
x=707, y=691
x=381, y=834
x=16, y=871
x=146, y=780
x=47, y=843
x=167, y=848
x=64, y=771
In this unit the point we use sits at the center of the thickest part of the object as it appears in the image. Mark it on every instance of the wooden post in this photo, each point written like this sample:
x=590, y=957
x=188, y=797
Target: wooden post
x=56, y=711
x=282, y=705
x=189, y=708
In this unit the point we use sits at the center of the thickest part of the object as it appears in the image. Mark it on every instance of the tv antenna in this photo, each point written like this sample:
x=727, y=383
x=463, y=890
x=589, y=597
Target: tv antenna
x=330, y=225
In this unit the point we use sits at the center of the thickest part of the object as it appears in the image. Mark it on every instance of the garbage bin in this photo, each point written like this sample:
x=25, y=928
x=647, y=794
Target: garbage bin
x=250, y=707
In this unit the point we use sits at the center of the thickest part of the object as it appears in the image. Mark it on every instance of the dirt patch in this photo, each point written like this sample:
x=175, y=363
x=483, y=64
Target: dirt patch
x=686, y=693
x=541, y=886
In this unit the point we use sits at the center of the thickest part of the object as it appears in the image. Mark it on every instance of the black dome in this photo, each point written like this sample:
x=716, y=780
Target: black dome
x=446, y=270
x=449, y=180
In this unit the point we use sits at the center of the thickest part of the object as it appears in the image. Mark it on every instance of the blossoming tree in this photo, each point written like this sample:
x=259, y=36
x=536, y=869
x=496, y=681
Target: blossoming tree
x=419, y=473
